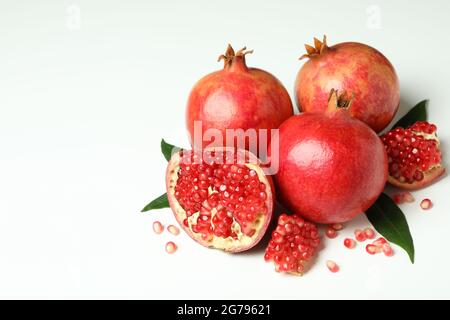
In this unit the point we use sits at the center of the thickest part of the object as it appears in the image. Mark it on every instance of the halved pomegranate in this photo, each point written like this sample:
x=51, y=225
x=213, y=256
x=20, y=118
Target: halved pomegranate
x=220, y=197
x=414, y=156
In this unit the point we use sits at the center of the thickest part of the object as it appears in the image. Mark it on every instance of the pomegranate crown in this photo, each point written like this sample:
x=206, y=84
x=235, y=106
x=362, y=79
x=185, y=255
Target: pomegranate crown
x=339, y=100
x=230, y=55
x=319, y=48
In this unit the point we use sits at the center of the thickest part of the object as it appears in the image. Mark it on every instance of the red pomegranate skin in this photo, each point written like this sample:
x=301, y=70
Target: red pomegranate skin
x=237, y=97
x=331, y=168
x=357, y=69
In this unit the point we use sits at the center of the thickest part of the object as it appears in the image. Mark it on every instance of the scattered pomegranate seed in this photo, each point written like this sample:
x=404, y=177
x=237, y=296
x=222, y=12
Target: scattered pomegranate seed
x=158, y=227
x=379, y=242
x=173, y=230
x=369, y=233
x=171, y=247
x=332, y=266
x=398, y=198
x=408, y=197
x=426, y=204
x=331, y=233
x=387, y=250
x=403, y=197
x=349, y=243
x=337, y=226
x=360, y=235
x=372, y=249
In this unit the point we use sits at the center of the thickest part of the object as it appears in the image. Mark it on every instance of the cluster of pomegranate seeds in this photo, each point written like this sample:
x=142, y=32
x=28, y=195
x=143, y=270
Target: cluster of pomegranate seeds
x=222, y=193
x=403, y=197
x=426, y=204
x=380, y=245
x=158, y=228
x=293, y=243
x=412, y=151
x=363, y=235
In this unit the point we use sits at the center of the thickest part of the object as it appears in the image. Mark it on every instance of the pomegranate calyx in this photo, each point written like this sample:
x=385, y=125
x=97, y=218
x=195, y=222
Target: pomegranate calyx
x=319, y=48
x=339, y=101
x=232, y=58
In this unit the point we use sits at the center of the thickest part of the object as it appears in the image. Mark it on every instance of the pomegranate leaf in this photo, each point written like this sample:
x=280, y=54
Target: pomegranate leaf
x=389, y=220
x=159, y=203
x=418, y=113
x=168, y=149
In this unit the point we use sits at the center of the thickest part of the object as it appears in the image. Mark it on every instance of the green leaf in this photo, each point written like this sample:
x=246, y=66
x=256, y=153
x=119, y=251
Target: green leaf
x=168, y=149
x=159, y=203
x=389, y=220
x=418, y=113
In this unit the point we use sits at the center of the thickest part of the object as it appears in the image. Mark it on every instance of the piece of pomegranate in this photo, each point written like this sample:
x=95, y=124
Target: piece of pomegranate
x=414, y=156
x=352, y=67
x=293, y=244
x=220, y=197
x=237, y=97
x=332, y=167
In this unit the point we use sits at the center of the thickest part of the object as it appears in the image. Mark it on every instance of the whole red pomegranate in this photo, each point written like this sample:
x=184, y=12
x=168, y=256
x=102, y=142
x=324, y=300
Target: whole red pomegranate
x=352, y=67
x=332, y=166
x=414, y=156
x=220, y=197
x=237, y=97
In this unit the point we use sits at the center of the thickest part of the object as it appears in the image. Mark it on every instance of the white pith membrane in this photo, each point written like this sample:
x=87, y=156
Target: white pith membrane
x=230, y=243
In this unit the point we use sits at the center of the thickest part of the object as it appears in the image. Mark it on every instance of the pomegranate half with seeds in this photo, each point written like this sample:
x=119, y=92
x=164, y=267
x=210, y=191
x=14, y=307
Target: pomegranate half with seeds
x=352, y=67
x=414, y=156
x=220, y=197
x=332, y=167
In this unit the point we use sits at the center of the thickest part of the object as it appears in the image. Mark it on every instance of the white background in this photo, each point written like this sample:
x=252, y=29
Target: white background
x=88, y=89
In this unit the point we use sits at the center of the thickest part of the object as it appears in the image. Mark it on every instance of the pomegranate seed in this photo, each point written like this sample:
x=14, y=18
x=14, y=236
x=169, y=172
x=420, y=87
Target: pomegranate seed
x=360, y=235
x=349, y=243
x=408, y=197
x=331, y=233
x=387, y=250
x=158, y=227
x=337, y=226
x=379, y=242
x=398, y=198
x=372, y=249
x=403, y=197
x=173, y=229
x=426, y=204
x=332, y=266
x=369, y=233
x=171, y=247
